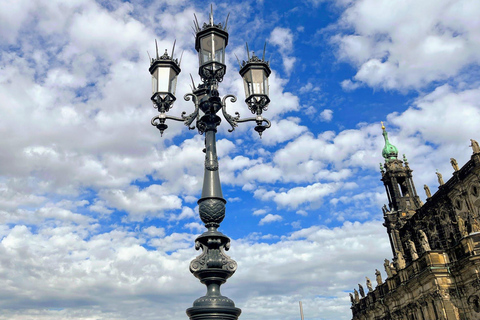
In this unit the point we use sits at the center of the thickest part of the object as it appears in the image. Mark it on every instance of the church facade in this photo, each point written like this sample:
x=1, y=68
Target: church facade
x=435, y=269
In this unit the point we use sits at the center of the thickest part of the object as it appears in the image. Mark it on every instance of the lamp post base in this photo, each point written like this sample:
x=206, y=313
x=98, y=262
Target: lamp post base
x=213, y=313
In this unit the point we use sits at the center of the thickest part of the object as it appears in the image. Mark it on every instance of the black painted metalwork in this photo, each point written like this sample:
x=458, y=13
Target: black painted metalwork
x=213, y=266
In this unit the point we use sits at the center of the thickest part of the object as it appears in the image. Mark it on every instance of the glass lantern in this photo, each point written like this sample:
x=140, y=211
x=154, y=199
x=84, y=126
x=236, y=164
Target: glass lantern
x=164, y=71
x=210, y=44
x=255, y=75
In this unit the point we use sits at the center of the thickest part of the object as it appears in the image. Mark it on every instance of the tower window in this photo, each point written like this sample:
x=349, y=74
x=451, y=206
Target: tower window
x=475, y=191
x=458, y=204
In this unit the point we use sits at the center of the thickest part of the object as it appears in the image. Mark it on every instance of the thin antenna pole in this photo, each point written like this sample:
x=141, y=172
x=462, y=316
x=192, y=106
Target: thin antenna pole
x=248, y=52
x=301, y=309
x=156, y=47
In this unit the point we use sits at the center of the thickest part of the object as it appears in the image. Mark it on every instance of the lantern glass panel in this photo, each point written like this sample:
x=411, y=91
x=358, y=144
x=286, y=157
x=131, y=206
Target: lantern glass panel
x=173, y=81
x=161, y=79
x=212, y=48
x=255, y=81
x=265, y=83
x=247, y=83
x=258, y=84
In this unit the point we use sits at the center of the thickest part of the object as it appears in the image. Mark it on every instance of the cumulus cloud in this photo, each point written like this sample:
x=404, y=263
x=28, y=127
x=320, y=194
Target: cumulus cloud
x=326, y=115
x=259, y=212
x=283, y=130
x=153, y=200
x=395, y=47
x=92, y=199
x=269, y=218
x=283, y=39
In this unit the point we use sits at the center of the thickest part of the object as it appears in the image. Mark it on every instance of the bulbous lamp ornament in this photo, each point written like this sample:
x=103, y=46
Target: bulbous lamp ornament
x=212, y=267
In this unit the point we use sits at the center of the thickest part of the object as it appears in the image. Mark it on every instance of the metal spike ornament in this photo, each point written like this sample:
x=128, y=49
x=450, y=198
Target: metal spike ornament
x=213, y=266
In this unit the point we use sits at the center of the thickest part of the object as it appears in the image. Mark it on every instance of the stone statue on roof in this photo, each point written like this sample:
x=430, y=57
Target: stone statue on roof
x=388, y=268
x=424, y=241
x=400, y=261
x=413, y=250
x=362, y=292
x=475, y=146
x=454, y=164
x=427, y=191
x=440, y=178
x=369, y=284
x=378, y=277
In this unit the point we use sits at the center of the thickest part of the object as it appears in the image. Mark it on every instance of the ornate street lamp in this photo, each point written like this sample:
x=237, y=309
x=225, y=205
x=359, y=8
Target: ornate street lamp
x=212, y=267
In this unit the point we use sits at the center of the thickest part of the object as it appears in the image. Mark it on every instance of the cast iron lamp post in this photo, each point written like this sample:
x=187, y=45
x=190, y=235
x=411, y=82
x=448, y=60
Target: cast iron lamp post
x=212, y=267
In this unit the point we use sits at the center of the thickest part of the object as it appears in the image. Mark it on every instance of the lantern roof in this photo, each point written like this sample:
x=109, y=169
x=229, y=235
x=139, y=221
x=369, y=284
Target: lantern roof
x=255, y=62
x=209, y=28
x=165, y=59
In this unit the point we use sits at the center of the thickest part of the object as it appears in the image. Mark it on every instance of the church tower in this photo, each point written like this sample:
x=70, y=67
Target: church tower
x=402, y=196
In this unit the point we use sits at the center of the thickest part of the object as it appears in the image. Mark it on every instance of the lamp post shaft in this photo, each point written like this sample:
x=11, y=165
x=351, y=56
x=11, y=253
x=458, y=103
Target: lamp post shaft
x=213, y=266
x=211, y=179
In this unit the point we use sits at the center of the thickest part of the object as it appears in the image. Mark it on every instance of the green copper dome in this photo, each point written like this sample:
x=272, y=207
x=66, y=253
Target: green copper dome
x=389, y=152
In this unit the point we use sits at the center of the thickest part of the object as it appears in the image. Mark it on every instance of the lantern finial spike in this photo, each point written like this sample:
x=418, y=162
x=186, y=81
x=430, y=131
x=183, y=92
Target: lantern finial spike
x=173, y=49
x=264, y=48
x=226, y=22
x=193, y=82
x=196, y=22
x=238, y=60
x=181, y=56
x=248, y=52
x=156, y=48
x=211, y=14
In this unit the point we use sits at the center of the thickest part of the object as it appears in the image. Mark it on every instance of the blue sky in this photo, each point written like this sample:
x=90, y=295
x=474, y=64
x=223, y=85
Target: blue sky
x=98, y=213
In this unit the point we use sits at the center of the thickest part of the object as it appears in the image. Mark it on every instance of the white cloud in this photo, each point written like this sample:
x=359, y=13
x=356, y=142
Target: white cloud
x=283, y=130
x=87, y=136
x=186, y=213
x=349, y=85
x=153, y=231
x=131, y=280
x=309, y=87
x=448, y=110
x=293, y=198
x=326, y=115
x=195, y=226
x=283, y=38
x=269, y=218
x=395, y=47
x=152, y=201
x=302, y=213
x=259, y=212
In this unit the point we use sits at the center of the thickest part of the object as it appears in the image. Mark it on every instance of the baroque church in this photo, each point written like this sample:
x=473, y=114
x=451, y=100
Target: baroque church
x=434, y=274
